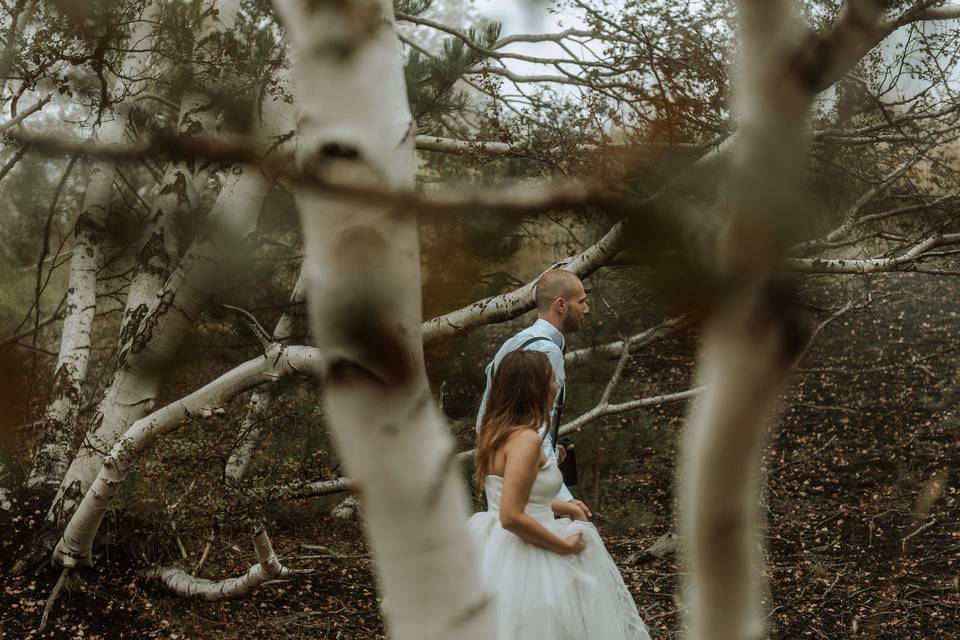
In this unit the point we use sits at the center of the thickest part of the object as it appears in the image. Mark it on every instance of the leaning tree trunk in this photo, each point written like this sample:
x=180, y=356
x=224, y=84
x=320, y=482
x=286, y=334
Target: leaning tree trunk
x=60, y=418
x=75, y=547
x=364, y=302
x=140, y=371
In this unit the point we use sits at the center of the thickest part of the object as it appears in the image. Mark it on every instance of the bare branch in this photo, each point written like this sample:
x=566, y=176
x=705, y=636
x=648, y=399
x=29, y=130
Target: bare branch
x=852, y=38
x=642, y=339
x=603, y=410
x=498, y=149
x=268, y=568
x=902, y=262
x=617, y=372
x=26, y=113
x=254, y=325
x=850, y=218
x=238, y=149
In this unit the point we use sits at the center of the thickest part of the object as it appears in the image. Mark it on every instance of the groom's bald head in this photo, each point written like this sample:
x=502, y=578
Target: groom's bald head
x=561, y=300
x=554, y=284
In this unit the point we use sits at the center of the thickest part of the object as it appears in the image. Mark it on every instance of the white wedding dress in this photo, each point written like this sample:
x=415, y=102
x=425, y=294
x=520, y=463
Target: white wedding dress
x=541, y=595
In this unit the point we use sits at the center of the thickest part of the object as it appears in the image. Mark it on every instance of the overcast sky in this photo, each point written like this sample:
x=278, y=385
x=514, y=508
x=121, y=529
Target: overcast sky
x=517, y=16
x=531, y=16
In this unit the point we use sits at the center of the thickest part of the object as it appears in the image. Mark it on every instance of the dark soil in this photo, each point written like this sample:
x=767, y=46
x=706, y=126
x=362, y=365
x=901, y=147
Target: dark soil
x=861, y=500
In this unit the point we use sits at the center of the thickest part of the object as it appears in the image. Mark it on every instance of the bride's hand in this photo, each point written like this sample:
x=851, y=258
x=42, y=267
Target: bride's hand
x=575, y=544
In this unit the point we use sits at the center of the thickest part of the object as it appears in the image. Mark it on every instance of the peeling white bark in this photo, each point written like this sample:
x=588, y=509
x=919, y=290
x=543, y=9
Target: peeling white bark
x=251, y=431
x=348, y=509
x=364, y=303
x=308, y=490
x=905, y=261
x=60, y=420
x=75, y=546
x=251, y=436
x=268, y=568
x=182, y=182
x=156, y=328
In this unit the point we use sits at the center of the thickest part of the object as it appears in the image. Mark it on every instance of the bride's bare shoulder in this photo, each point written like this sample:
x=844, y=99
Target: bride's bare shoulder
x=522, y=440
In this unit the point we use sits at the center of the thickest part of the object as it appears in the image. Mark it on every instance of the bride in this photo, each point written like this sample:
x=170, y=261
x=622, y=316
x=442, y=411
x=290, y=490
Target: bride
x=551, y=578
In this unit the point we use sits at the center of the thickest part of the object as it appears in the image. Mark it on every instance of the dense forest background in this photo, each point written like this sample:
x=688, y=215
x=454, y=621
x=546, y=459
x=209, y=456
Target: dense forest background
x=150, y=242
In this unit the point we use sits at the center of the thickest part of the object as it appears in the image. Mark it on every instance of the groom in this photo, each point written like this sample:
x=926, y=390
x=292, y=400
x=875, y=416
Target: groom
x=561, y=308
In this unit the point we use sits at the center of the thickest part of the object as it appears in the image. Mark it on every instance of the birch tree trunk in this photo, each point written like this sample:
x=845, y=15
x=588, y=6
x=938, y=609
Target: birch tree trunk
x=364, y=302
x=251, y=430
x=140, y=371
x=60, y=419
x=752, y=336
x=183, y=181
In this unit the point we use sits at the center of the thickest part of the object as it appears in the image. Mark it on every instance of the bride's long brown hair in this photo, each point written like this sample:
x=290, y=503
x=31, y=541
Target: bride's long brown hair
x=518, y=400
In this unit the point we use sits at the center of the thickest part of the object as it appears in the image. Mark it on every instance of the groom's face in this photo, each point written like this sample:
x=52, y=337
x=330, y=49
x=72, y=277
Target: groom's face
x=575, y=309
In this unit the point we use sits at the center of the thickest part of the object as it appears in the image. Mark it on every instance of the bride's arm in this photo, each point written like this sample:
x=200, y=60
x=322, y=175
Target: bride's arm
x=522, y=453
x=564, y=509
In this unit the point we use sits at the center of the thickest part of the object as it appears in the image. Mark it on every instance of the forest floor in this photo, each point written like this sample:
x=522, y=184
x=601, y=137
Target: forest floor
x=862, y=501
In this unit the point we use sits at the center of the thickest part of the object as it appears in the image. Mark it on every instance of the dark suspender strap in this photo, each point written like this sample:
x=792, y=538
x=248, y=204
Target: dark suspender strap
x=558, y=415
x=520, y=348
x=554, y=430
x=531, y=341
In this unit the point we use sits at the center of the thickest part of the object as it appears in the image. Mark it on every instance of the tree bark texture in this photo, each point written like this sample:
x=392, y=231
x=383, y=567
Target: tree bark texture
x=364, y=302
x=60, y=419
x=144, y=354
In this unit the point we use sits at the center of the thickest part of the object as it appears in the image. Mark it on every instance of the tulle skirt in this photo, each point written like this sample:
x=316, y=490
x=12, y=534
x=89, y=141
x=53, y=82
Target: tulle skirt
x=541, y=595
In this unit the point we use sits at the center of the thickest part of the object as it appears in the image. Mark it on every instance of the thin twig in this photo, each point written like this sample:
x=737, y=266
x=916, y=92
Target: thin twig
x=920, y=529
x=52, y=599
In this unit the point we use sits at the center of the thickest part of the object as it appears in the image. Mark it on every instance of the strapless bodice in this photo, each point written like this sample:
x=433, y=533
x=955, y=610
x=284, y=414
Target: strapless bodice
x=545, y=488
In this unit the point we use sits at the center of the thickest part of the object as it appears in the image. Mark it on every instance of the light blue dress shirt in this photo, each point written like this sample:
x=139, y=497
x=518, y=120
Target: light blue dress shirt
x=553, y=348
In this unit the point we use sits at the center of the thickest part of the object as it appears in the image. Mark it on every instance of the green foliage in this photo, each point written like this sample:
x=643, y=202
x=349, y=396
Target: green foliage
x=431, y=79
x=411, y=7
